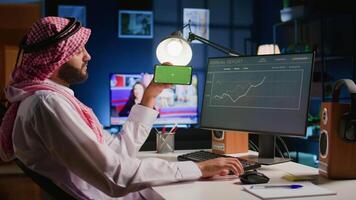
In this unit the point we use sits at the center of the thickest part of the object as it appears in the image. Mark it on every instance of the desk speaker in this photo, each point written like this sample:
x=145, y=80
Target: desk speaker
x=228, y=142
x=337, y=146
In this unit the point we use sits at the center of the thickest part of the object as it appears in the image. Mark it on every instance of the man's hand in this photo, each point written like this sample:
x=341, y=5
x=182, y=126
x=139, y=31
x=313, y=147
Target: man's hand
x=220, y=166
x=152, y=91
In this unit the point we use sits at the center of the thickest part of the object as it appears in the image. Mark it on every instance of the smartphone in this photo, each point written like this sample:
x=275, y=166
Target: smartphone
x=180, y=75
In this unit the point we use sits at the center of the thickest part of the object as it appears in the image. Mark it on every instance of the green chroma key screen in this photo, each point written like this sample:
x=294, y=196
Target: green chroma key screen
x=181, y=75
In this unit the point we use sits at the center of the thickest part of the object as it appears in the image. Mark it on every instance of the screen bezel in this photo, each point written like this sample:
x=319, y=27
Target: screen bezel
x=154, y=124
x=290, y=134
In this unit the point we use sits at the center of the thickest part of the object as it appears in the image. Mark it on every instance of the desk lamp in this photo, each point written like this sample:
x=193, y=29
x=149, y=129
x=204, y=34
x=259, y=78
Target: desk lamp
x=177, y=50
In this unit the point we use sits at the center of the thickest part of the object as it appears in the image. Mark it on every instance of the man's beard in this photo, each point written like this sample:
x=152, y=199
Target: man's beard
x=73, y=75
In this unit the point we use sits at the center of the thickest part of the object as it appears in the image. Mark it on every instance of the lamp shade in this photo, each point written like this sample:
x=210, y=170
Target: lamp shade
x=174, y=49
x=267, y=49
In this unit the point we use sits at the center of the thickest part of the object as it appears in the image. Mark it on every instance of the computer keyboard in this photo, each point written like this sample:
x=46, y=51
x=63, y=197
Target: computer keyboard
x=198, y=156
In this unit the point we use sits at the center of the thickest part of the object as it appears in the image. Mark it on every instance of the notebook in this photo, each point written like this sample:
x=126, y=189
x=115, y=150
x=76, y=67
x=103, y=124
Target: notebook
x=308, y=190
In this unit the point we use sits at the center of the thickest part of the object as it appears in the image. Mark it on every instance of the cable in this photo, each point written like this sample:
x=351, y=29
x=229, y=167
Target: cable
x=186, y=25
x=279, y=151
x=284, y=145
x=251, y=146
x=254, y=145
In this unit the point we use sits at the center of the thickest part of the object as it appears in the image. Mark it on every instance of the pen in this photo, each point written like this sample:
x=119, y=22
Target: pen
x=173, y=128
x=293, y=186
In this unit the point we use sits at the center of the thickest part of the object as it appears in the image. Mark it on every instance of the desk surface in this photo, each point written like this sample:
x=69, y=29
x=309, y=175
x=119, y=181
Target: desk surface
x=229, y=187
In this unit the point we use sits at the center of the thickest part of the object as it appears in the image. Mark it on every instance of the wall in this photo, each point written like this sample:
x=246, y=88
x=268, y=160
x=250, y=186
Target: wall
x=329, y=29
x=266, y=15
x=22, y=16
x=20, y=1
x=230, y=25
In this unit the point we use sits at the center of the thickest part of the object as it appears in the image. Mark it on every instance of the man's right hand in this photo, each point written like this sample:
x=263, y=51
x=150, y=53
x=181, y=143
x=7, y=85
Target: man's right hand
x=220, y=166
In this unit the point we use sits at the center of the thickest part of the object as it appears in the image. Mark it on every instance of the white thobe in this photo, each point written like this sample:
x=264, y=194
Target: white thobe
x=52, y=139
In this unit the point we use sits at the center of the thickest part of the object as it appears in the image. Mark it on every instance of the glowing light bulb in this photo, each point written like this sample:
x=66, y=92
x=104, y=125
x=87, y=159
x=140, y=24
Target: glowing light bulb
x=174, y=48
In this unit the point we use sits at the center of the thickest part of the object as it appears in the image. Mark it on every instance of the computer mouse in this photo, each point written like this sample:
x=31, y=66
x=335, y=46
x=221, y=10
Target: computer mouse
x=253, y=177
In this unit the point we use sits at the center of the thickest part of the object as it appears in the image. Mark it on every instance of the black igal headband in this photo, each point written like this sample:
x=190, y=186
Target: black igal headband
x=71, y=28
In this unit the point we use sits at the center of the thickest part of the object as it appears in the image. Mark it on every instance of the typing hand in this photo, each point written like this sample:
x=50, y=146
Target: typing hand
x=220, y=166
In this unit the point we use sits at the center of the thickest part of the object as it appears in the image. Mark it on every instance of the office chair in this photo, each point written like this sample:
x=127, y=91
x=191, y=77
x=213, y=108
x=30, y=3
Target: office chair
x=46, y=184
x=2, y=110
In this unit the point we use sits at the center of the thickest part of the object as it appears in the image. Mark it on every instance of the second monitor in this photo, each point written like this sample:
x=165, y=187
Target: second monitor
x=267, y=95
x=178, y=104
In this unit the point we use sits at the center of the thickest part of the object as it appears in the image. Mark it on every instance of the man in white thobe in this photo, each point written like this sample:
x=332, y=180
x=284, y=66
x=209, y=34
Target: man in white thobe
x=57, y=136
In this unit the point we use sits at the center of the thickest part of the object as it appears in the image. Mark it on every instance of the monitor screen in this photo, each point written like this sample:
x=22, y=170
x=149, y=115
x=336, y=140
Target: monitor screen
x=260, y=94
x=178, y=104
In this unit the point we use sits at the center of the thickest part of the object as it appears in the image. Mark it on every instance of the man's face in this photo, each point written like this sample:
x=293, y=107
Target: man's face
x=75, y=70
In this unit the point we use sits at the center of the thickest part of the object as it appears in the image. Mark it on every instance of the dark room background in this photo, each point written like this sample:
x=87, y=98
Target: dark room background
x=231, y=25
x=325, y=26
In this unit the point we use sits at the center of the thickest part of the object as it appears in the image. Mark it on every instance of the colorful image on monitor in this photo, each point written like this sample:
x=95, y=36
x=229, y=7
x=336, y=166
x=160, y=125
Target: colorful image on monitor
x=178, y=104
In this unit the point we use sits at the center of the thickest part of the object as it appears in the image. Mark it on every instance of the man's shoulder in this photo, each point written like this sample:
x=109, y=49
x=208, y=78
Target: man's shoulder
x=30, y=105
x=40, y=98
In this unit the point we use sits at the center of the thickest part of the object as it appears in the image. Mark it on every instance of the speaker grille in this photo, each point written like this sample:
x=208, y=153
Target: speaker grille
x=218, y=134
x=323, y=143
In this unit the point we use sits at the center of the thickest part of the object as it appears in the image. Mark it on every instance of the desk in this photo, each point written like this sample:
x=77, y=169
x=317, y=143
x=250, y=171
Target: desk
x=230, y=188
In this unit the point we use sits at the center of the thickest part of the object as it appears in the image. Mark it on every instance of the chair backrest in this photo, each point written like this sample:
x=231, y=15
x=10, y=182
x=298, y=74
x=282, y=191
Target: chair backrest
x=46, y=184
x=2, y=111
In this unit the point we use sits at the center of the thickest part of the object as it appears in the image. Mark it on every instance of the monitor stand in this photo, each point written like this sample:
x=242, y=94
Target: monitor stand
x=266, y=145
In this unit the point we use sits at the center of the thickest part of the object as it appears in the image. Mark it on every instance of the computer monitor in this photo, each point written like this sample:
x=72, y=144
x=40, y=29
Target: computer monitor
x=178, y=104
x=267, y=95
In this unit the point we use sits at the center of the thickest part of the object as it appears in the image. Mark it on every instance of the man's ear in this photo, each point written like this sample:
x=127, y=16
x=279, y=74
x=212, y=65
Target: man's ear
x=55, y=77
x=54, y=74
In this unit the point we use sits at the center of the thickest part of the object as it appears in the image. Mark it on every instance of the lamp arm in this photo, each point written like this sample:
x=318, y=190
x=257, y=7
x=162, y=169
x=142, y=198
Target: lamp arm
x=228, y=51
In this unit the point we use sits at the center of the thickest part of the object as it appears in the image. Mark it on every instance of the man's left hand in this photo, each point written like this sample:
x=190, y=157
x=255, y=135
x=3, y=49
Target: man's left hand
x=153, y=90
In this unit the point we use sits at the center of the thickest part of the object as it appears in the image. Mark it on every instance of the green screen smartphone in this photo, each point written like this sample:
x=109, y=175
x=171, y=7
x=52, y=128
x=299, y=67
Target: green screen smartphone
x=180, y=75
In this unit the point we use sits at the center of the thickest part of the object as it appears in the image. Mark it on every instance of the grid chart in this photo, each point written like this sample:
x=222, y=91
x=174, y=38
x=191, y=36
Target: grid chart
x=263, y=89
